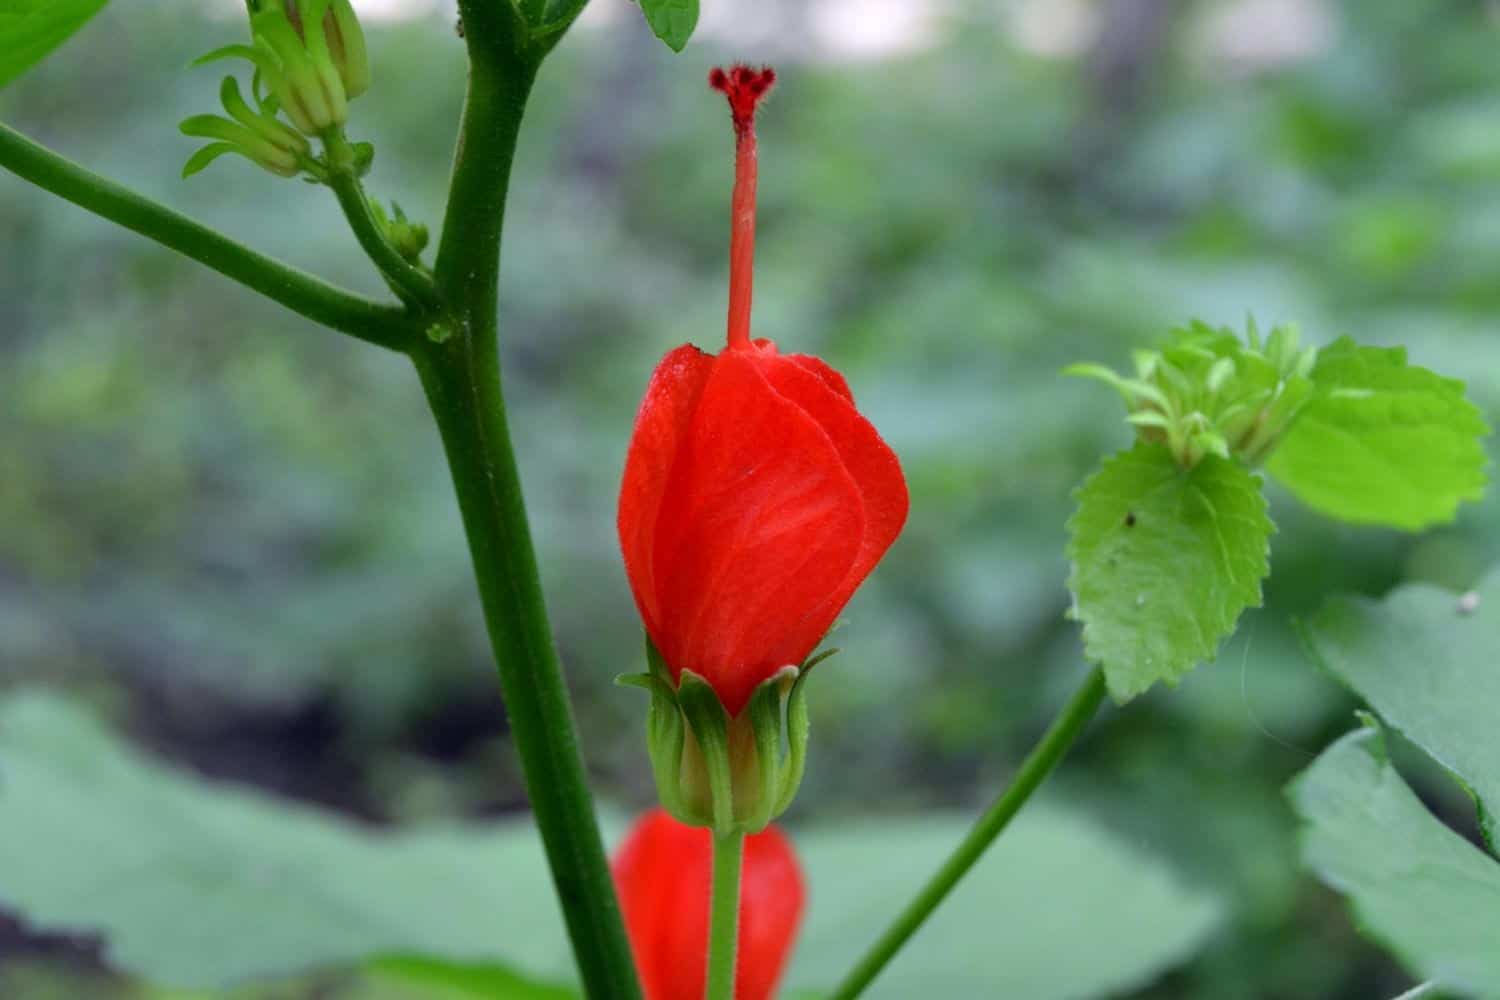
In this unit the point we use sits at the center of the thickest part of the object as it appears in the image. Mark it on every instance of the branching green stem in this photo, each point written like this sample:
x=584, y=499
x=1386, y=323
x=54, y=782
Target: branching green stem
x=460, y=372
x=300, y=292
x=724, y=917
x=411, y=284
x=461, y=375
x=1054, y=743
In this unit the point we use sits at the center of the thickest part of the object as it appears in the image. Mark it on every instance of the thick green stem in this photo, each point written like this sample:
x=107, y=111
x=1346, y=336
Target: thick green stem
x=724, y=917
x=1064, y=730
x=461, y=375
x=319, y=301
x=411, y=284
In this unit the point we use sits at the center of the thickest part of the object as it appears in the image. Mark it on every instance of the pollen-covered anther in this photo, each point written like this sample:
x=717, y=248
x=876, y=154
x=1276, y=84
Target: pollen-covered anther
x=744, y=86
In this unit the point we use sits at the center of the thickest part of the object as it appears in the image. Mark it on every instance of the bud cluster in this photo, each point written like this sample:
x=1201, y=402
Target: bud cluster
x=310, y=61
x=1206, y=392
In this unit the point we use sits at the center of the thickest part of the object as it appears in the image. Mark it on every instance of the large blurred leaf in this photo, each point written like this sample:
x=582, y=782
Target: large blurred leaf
x=428, y=979
x=1424, y=658
x=200, y=885
x=1015, y=927
x=1383, y=441
x=30, y=29
x=196, y=885
x=1164, y=562
x=1430, y=895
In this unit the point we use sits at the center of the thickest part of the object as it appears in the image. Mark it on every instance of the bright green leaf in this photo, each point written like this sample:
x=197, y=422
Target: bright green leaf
x=672, y=21
x=30, y=29
x=1430, y=895
x=1424, y=658
x=199, y=885
x=1382, y=441
x=1057, y=909
x=1164, y=561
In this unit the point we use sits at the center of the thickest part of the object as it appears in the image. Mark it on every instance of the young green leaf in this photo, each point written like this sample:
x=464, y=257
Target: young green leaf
x=1423, y=890
x=31, y=29
x=1382, y=441
x=1164, y=561
x=672, y=21
x=1424, y=658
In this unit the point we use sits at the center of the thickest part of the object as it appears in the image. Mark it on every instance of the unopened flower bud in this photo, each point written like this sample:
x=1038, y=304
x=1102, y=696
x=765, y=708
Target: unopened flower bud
x=409, y=238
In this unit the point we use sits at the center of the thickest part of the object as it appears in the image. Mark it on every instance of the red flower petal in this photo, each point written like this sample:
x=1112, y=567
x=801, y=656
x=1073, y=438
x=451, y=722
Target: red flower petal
x=824, y=395
x=824, y=371
x=660, y=427
x=759, y=522
x=664, y=870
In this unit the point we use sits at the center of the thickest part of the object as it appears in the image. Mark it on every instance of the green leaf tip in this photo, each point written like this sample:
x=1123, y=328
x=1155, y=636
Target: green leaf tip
x=673, y=21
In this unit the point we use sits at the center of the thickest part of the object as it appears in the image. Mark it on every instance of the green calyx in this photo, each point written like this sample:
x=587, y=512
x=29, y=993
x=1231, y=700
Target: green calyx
x=1207, y=392
x=731, y=774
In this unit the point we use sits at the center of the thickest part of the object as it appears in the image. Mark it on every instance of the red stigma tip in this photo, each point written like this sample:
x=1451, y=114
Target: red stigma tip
x=744, y=87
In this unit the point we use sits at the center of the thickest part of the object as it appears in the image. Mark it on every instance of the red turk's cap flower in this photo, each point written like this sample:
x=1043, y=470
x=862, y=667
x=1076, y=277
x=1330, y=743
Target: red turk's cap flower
x=664, y=870
x=756, y=498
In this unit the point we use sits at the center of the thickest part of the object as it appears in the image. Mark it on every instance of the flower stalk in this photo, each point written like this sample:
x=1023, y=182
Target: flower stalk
x=1040, y=763
x=724, y=917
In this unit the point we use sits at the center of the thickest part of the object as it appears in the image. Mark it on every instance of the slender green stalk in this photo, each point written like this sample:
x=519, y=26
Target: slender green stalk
x=724, y=917
x=411, y=284
x=300, y=292
x=1054, y=743
x=461, y=375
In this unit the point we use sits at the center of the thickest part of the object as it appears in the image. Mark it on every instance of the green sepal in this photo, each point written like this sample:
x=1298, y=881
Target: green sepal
x=798, y=726
x=764, y=713
x=264, y=64
x=207, y=155
x=709, y=723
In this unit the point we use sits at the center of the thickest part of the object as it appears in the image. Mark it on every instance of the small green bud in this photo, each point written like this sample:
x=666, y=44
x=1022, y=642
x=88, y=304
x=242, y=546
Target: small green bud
x=409, y=238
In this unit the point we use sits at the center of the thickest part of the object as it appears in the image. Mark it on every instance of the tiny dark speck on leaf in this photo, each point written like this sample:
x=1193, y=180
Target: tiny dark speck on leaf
x=1130, y=519
x=458, y=27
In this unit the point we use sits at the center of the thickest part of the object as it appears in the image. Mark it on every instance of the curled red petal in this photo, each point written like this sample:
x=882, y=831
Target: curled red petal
x=660, y=428
x=824, y=395
x=663, y=871
x=759, y=523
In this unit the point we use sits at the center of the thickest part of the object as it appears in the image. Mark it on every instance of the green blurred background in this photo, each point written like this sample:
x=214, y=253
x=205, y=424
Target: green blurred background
x=233, y=533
